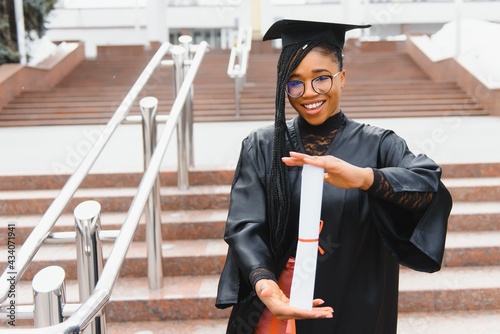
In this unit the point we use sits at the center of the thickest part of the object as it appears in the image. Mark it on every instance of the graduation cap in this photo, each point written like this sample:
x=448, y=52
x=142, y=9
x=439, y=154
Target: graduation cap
x=296, y=31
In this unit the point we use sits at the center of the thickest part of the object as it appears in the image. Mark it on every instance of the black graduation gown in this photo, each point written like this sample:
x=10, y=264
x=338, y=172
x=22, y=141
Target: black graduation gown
x=364, y=238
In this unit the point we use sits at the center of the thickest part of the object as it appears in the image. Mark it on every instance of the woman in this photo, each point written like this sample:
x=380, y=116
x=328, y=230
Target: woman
x=382, y=205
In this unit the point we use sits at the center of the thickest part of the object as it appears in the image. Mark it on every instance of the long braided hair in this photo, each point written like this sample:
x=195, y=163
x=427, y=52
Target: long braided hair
x=278, y=195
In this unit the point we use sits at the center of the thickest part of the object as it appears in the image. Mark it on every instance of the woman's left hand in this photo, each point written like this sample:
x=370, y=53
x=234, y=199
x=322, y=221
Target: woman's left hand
x=278, y=304
x=337, y=172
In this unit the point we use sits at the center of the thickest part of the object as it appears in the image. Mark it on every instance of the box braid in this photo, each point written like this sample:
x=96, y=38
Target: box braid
x=278, y=195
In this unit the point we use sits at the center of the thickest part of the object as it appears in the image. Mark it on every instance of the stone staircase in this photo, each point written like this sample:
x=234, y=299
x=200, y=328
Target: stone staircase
x=193, y=249
x=464, y=297
x=380, y=83
x=465, y=293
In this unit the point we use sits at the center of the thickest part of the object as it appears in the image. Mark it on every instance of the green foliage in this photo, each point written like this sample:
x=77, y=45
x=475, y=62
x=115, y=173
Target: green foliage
x=36, y=13
x=7, y=47
x=8, y=55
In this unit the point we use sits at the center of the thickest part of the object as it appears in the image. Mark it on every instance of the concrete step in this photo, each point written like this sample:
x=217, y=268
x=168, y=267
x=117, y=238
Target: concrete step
x=395, y=90
x=205, y=109
x=206, y=112
x=192, y=297
x=206, y=256
x=253, y=115
x=258, y=115
x=210, y=326
x=15, y=202
x=180, y=298
x=179, y=257
x=475, y=189
x=101, y=119
x=110, y=180
x=115, y=199
x=472, y=249
x=210, y=223
x=485, y=322
x=474, y=216
x=181, y=224
x=451, y=289
x=470, y=170
x=247, y=96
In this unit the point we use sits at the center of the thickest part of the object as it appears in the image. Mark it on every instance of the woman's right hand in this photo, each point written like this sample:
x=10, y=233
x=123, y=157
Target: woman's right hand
x=338, y=172
x=279, y=305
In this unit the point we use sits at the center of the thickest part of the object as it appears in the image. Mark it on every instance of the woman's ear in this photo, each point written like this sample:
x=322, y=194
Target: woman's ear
x=342, y=79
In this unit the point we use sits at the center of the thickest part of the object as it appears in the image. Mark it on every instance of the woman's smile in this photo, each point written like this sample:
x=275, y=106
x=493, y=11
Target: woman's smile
x=312, y=106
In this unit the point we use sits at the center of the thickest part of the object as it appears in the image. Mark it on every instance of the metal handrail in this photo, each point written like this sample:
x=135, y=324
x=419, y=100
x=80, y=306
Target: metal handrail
x=238, y=69
x=96, y=302
x=240, y=50
x=47, y=222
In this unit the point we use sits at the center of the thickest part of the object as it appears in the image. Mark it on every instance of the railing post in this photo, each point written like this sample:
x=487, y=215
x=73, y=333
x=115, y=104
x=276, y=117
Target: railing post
x=49, y=296
x=182, y=161
x=238, y=63
x=186, y=41
x=89, y=256
x=149, y=107
x=237, y=90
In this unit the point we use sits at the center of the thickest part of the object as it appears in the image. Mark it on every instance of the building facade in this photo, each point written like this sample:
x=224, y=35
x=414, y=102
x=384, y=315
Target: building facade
x=135, y=22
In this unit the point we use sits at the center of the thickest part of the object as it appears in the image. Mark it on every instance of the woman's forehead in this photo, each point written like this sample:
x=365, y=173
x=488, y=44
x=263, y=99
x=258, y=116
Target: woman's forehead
x=315, y=61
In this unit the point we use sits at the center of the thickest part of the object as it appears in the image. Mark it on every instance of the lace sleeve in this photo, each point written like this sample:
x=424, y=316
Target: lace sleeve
x=260, y=273
x=413, y=201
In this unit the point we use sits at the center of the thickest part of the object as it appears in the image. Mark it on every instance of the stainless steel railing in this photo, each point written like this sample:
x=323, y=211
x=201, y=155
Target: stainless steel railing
x=238, y=62
x=92, y=307
x=43, y=228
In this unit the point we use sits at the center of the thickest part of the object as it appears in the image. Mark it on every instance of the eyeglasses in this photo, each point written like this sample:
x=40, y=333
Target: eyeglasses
x=321, y=85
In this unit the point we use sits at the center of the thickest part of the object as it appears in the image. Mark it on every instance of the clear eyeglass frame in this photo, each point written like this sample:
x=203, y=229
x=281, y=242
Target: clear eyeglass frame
x=300, y=86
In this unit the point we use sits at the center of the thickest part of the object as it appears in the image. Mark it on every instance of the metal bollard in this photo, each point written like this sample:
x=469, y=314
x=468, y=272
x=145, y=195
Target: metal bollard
x=177, y=52
x=49, y=296
x=89, y=256
x=152, y=210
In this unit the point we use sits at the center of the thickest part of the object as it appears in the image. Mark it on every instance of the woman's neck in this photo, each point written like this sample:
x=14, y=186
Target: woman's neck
x=316, y=139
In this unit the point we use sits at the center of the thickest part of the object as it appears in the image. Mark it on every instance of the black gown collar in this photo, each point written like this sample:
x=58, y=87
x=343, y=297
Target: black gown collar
x=337, y=121
x=332, y=123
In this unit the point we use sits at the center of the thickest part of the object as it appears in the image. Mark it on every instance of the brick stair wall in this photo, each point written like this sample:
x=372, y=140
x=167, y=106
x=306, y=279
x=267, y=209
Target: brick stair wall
x=193, y=250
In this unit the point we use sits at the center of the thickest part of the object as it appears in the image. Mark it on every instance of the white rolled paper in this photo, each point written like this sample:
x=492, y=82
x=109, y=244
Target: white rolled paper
x=304, y=274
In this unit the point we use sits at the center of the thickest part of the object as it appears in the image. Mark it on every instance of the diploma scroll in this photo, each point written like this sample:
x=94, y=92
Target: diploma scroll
x=304, y=274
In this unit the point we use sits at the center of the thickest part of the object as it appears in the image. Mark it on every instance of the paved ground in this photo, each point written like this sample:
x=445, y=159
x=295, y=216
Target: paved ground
x=59, y=149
